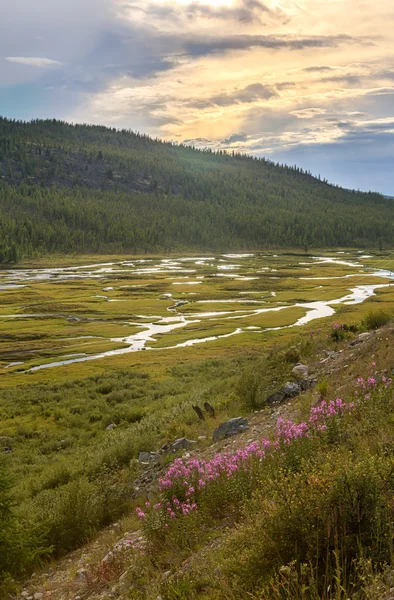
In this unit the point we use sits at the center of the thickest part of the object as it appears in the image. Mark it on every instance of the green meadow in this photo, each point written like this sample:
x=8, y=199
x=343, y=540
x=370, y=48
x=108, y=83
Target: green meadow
x=53, y=420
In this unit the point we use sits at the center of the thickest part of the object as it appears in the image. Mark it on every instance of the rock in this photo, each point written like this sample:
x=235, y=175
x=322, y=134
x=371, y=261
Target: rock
x=275, y=398
x=290, y=390
x=230, y=428
x=307, y=384
x=148, y=458
x=7, y=450
x=300, y=371
x=198, y=412
x=331, y=353
x=209, y=408
x=166, y=575
x=362, y=337
x=111, y=426
x=108, y=558
x=81, y=574
x=38, y=596
x=202, y=438
x=24, y=594
x=180, y=444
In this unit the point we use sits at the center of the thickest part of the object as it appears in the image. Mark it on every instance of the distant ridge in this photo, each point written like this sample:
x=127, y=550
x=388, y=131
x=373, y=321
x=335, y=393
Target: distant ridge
x=77, y=189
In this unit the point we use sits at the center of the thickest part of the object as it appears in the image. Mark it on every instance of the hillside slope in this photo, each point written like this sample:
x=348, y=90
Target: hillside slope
x=327, y=497
x=76, y=188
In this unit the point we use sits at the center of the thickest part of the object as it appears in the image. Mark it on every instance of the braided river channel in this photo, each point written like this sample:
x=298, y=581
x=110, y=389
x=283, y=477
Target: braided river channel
x=106, y=309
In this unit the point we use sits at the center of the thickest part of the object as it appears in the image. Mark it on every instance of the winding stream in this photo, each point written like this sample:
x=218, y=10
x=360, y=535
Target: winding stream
x=183, y=271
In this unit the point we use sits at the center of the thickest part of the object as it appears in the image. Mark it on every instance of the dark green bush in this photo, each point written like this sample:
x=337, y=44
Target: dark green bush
x=376, y=318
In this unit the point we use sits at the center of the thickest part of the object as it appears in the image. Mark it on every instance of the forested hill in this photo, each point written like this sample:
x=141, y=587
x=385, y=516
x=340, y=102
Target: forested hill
x=77, y=188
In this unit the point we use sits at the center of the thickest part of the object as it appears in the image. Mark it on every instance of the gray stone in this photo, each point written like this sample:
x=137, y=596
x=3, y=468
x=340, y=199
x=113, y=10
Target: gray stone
x=111, y=426
x=307, y=384
x=362, y=337
x=209, y=408
x=148, y=458
x=38, y=596
x=180, y=444
x=108, y=558
x=300, y=371
x=275, y=398
x=290, y=390
x=230, y=428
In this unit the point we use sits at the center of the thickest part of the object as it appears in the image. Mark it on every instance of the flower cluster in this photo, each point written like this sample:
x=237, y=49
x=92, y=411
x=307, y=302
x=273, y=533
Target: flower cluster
x=185, y=481
x=194, y=474
x=372, y=382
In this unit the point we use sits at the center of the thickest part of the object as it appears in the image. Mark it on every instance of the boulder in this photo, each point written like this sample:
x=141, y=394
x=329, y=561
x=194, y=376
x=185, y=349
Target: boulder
x=362, y=337
x=307, y=384
x=209, y=408
x=180, y=444
x=275, y=398
x=148, y=458
x=300, y=371
x=291, y=390
x=230, y=428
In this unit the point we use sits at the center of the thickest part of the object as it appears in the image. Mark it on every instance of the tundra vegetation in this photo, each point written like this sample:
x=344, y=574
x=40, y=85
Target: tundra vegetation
x=279, y=505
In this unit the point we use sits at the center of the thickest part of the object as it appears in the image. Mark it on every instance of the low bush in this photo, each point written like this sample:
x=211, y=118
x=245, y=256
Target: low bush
x=376, y=318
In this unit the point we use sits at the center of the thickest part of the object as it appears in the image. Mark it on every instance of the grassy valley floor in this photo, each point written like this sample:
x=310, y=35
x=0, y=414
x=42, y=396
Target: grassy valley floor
x=72, y=477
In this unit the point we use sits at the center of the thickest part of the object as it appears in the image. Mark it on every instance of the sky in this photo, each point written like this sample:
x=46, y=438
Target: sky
x=307, y=82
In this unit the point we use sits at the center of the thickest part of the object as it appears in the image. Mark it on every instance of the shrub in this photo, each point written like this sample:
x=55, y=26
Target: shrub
x=324, y=516
x=70, y=514
x=376, y=318
x=20, y=546
x=292, y=355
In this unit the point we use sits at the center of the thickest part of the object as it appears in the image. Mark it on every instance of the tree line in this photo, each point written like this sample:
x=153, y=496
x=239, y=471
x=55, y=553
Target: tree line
x=77, y=188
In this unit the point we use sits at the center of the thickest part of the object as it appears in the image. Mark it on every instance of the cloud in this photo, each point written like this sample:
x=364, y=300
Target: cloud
x=34, y=61
x=251, y=93
x=318, y=69
x=235, y=137
x=242, y=11
x=199, y=46
x=308, y=113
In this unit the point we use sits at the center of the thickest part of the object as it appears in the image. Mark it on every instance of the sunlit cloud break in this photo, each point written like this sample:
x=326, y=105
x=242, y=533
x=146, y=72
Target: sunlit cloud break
x=302, y=82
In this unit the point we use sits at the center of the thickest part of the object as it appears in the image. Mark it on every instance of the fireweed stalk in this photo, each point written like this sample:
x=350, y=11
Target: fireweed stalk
x=186, y=481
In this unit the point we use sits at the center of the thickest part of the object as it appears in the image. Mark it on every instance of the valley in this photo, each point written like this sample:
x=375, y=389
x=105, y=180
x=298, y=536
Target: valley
x=56, y=317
